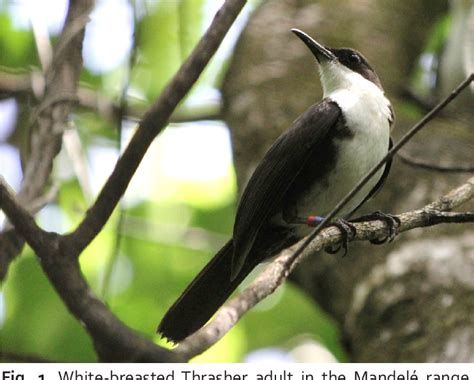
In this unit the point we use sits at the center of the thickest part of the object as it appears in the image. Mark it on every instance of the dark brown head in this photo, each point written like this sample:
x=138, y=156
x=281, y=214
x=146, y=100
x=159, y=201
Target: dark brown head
x=355, y=61
x=330, y=58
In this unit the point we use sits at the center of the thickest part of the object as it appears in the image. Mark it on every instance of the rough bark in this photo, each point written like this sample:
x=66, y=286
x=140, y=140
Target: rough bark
x=412, y=300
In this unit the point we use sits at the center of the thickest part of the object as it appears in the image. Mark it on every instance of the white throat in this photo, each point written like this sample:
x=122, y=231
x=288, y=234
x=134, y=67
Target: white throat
x=357, y=97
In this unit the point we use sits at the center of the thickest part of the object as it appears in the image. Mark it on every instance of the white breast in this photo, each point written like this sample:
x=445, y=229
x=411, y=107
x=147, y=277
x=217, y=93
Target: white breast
x=367, y=114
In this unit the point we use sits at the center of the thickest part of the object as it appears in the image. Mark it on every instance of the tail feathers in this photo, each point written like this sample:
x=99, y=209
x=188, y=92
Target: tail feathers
x=203, y=297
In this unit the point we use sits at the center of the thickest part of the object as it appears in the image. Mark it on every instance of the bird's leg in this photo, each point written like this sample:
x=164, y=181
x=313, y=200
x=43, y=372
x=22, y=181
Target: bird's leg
x=290, y=215
x=346, y=228
x=393, y=224
x=348, y=232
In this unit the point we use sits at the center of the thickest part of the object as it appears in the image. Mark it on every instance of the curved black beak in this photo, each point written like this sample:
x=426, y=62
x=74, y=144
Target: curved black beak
x=319, y=51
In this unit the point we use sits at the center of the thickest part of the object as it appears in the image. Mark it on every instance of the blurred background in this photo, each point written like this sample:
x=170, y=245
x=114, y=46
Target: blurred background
x=180, y=205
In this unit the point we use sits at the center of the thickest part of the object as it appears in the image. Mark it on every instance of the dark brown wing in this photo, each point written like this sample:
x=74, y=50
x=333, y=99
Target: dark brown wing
x=279, y=167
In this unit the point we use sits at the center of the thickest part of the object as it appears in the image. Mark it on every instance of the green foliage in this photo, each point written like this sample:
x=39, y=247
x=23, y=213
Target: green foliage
x=72, y=201
x=37, y=321
x=159, y=52
x=190, y=15
x=17, y=47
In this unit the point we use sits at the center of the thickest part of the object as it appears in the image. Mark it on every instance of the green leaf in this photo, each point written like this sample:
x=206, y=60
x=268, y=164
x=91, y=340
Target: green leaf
x=37, y=321
x=158, y=49
x=17, y=47
x=190, y=24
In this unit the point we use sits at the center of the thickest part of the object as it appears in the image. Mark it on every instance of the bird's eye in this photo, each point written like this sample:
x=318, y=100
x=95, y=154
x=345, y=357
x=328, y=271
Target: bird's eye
x=355, y=59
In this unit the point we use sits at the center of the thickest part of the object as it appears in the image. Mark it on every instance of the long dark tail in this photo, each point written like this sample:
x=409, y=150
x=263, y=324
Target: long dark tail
x=201, y=299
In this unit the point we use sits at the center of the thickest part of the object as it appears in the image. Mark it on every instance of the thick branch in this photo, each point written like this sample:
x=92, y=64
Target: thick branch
x=276, y=272
x=113, y=340
x=20, y=218
x=152, y=123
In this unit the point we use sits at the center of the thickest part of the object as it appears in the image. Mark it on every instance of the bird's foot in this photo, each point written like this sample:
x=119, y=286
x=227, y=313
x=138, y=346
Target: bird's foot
x=393, y=224
x=347, y=230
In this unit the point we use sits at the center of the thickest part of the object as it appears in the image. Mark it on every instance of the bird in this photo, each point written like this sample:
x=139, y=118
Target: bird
x=309, y=168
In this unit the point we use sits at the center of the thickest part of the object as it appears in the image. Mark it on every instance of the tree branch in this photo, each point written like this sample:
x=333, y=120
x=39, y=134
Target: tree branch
x=59, y=255
x=20, y=218
x=152, y=123
x=113, y=340
x=49, y=119
x=281, y=267
x=422, y=164
x=363, y=181
x=19, y=85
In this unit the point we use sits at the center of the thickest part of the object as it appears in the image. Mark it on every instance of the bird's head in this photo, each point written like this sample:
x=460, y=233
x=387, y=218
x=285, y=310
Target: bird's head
x=340, y=68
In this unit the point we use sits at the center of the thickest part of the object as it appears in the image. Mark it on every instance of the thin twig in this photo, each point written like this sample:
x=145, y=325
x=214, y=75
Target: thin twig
x=50, y=118
x=21, y=219
x=112, y=339
x=21, y=85
x=407, y=137
x=121, y=114
x=422, y=164
x=52, y=112
x=154, y=121
x=275, y=273
x=280, y=268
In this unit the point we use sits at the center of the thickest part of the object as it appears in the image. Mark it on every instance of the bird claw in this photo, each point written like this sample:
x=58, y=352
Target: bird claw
x=348, y=232
x=393, y=224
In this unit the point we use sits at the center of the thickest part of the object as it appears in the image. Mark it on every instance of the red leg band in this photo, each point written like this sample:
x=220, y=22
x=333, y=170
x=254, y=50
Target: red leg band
x=313, y=221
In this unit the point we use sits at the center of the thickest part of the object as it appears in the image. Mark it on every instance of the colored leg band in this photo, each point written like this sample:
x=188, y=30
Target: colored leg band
x=313, y=221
